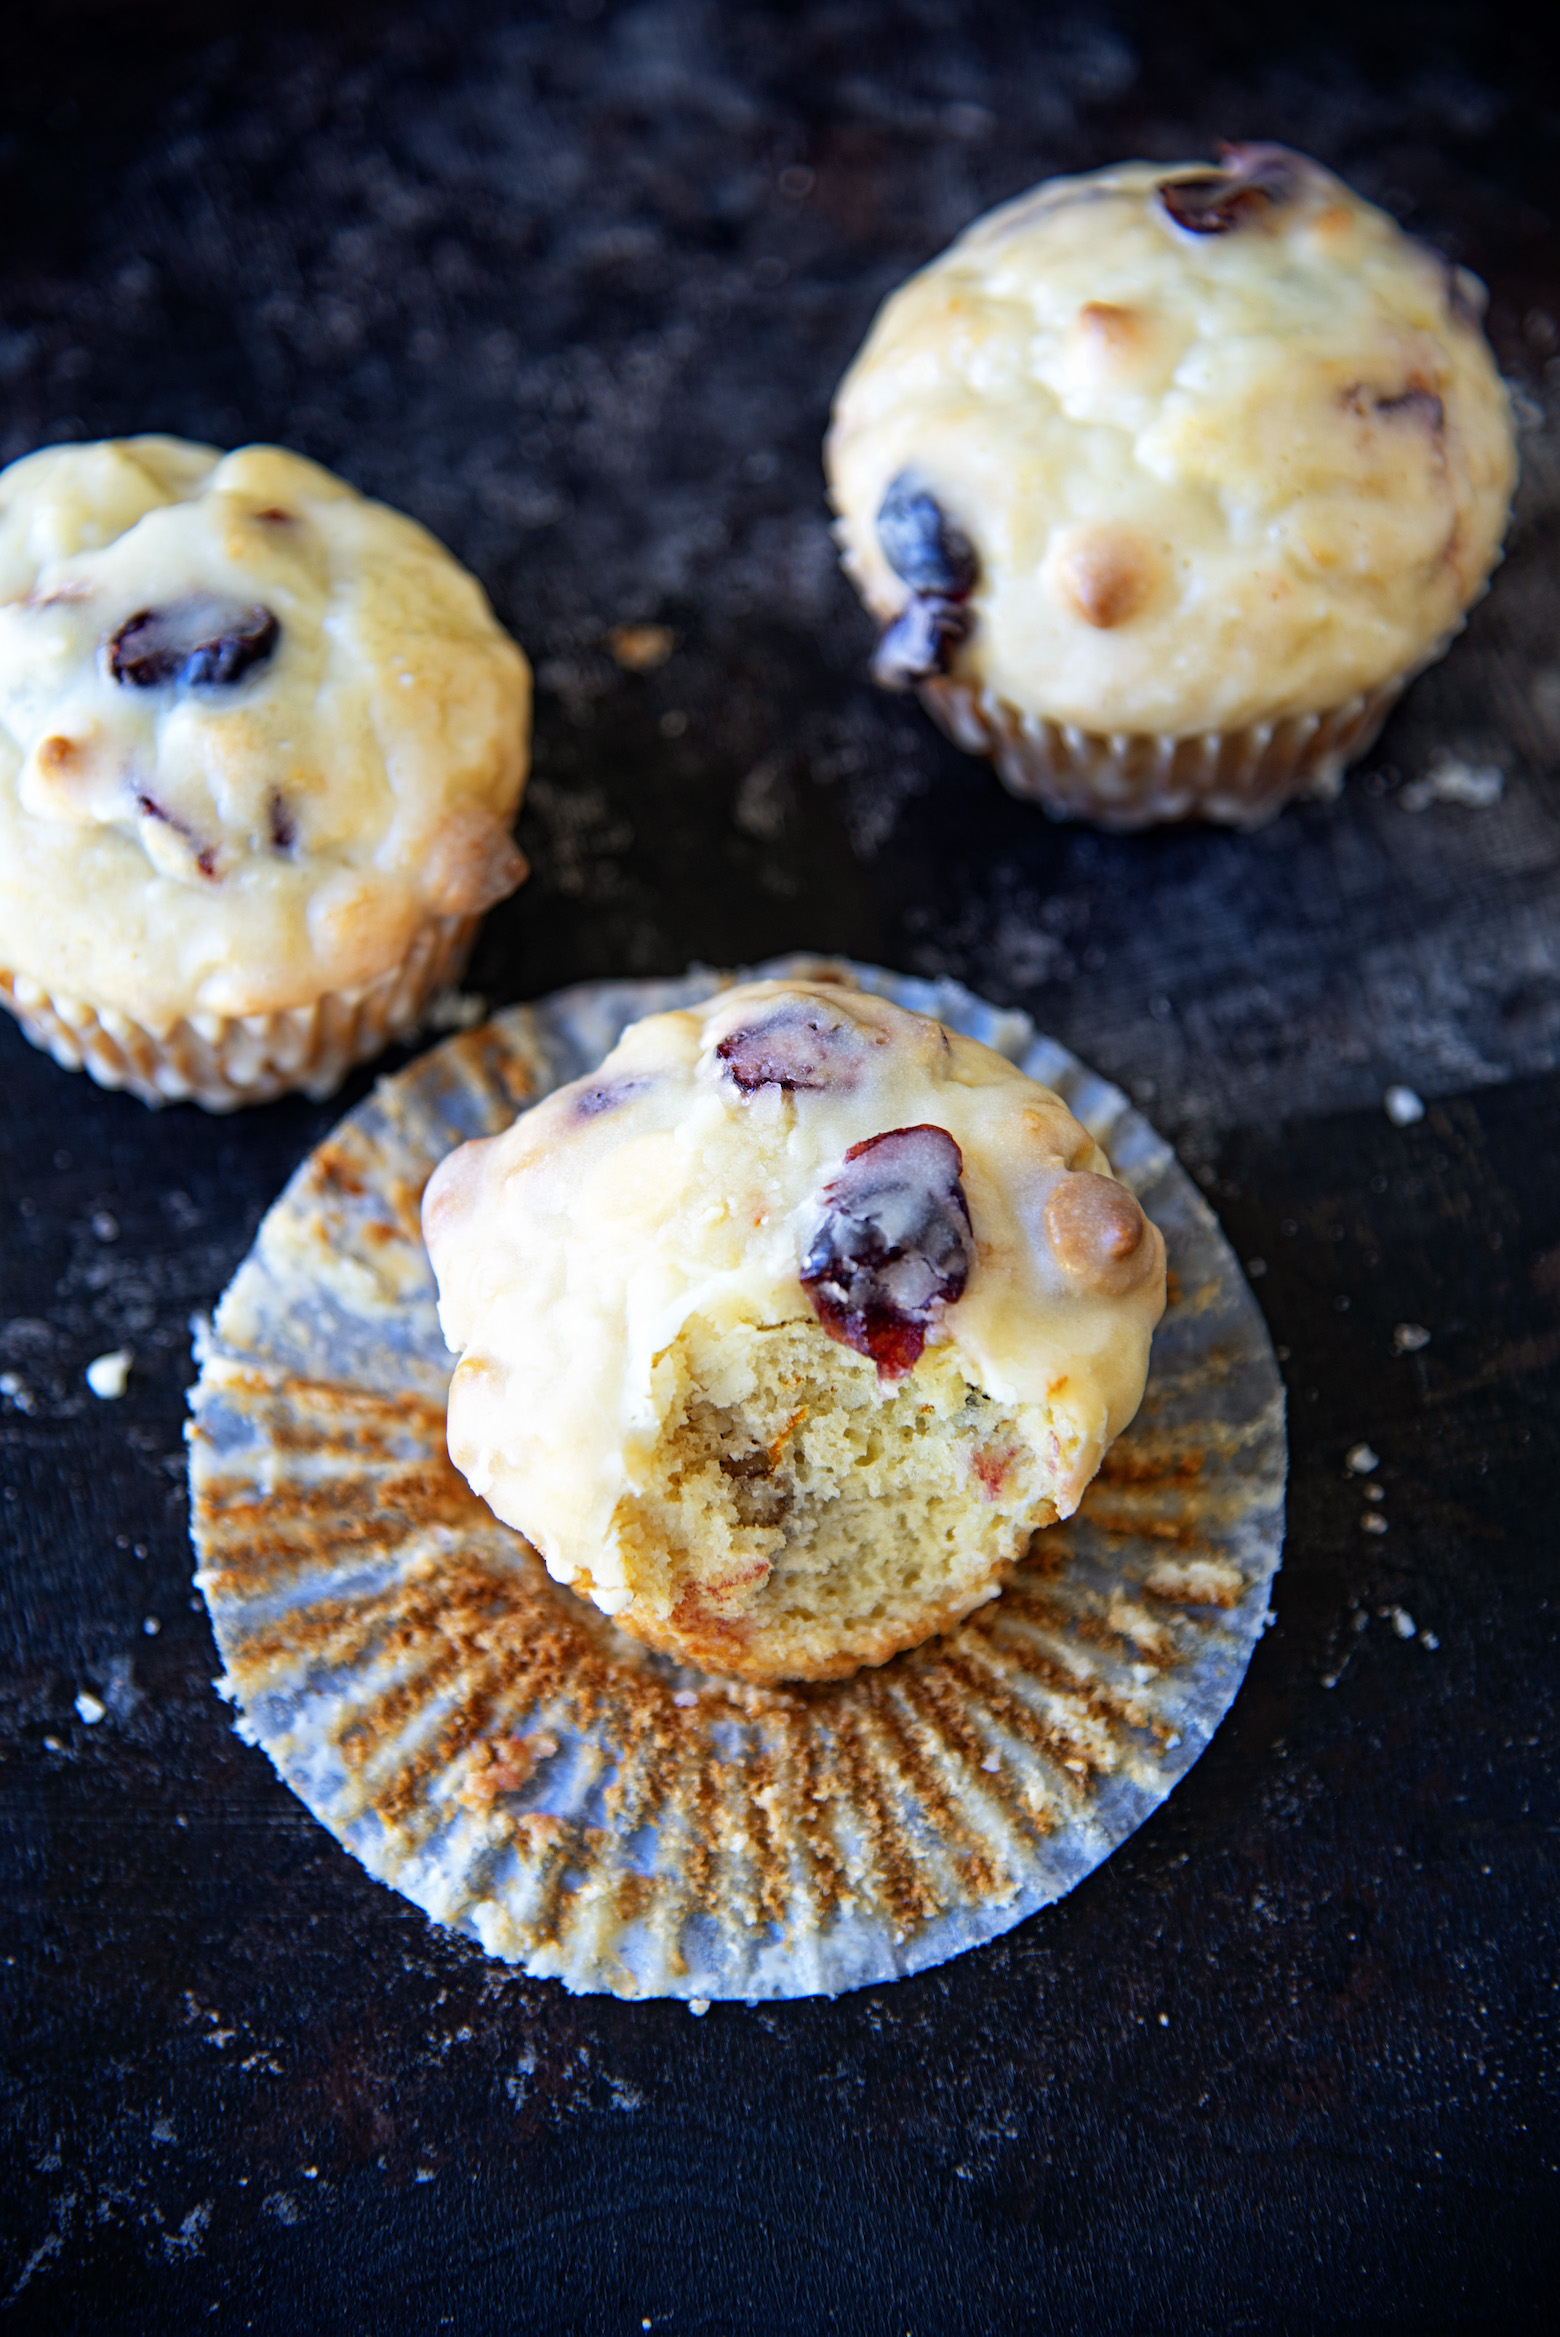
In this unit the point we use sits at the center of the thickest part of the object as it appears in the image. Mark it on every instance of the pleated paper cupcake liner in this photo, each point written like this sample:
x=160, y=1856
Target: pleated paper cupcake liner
x=222, y=1061
x=500, y=1753
x=1239, y=778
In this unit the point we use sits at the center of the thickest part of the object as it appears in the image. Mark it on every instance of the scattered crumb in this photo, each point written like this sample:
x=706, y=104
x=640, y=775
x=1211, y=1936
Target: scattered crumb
x=1429, y=1639
x=1256, y=1268
x=1164, y=2020
x=1361, y=1460
x=1371, y=1523
x=89, y=1709
x=1408, y=1338
x=16, y=1391
x=639, y=649
x=1402, y=1106
x=1375, y=1493
x=108, y=1374
x=1448, y=779
x=105, y=1225
x=698, y=2006
x=1402, y=1622
x=151, y=1626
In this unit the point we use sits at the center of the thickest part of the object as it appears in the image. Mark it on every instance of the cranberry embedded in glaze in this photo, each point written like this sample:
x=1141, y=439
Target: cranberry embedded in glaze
x=922, y=545
x=797, y=1046
x=893, y=1245
x=1214, y=203
x=1254, y=179
x=201, y=642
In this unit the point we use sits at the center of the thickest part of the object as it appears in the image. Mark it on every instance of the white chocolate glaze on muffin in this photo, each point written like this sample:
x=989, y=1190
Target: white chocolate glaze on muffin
x=255, y=731
x=1172, y=450
x=782, y=1333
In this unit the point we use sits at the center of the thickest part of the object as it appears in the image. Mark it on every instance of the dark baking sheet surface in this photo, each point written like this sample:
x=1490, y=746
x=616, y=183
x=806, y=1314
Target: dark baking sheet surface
x=573, y=284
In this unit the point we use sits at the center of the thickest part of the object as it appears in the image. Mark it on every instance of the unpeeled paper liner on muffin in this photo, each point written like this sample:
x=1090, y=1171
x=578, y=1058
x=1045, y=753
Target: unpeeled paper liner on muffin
x=499, y=1752
x=1239, y=778
x=222, y=1061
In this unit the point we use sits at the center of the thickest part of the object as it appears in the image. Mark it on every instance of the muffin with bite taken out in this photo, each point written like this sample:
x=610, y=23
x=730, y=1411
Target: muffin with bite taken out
x=261, y=745
x=1162, y=482
x=782, y=1333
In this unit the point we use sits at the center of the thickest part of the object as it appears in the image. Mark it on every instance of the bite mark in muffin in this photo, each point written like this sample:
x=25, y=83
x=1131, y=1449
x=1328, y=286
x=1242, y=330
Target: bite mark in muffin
x=795, y=1386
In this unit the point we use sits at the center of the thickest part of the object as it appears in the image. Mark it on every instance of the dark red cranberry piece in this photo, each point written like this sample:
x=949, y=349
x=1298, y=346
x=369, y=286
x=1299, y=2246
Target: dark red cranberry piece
x=893, y=1245
x=922, y=544
x=200, y=642
x=797, y=1046
x=1214, y=202
x=920, y=642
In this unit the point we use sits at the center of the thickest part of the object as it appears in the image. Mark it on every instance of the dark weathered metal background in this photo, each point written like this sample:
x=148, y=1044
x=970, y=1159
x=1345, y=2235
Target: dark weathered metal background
x=573, y=284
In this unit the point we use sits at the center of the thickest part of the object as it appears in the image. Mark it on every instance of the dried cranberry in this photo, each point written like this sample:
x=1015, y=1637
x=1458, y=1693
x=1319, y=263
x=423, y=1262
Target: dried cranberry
x=201, y=642
x=922, y=544
x=893, y=1245
x=920, y=642
x=1213, y=204
x=799, y=1045
x=1254, y=179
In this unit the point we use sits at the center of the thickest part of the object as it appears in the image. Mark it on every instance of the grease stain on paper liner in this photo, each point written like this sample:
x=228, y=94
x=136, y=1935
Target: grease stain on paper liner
x=496, y=1750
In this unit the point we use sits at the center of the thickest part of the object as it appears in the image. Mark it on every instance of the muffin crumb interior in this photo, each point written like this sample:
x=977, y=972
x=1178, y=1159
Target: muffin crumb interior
x=790, y=1495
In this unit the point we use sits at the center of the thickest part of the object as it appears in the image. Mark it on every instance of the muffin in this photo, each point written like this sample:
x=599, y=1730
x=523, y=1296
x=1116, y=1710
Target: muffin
x=261, y=745
x=781, y=1334
x=1165, y=480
